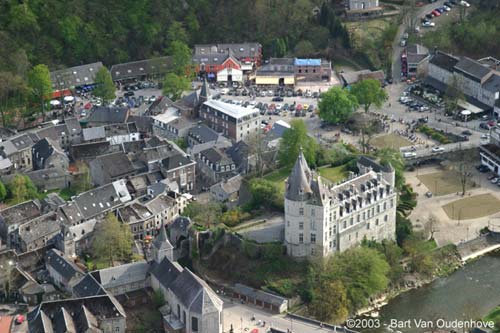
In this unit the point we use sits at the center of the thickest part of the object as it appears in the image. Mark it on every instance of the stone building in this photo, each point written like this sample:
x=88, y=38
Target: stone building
x=322, y=218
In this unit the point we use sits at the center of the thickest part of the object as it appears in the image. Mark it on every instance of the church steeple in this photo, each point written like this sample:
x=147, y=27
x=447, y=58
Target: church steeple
x=204, y=92
x=161, y=247
x=299, y=181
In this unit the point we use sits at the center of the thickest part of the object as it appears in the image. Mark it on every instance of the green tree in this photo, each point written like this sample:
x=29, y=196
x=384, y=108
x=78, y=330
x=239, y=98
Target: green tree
x=204, y=214
x=12, y=88
x=395, y=159
x=265, y=194
x=112, y=241
x=105, y=87
x=176, y=32
x=174, y=85
x=21, y=189
x=421, y=260
x=293, y=140
x=303, y=48
x=3, y=192
x=363, y=271
x=40, y=85
x=453, y=96
x=181, y=57
x=336, y=105
x=329, y=301
x=369, y=92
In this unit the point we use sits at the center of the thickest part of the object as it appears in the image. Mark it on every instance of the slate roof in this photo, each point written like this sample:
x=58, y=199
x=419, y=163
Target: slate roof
x=114, y=165
x=203, y=133
x=108, y=115
x=63, y=322
x=195, y=294
x=259, y=294
x=102, y=306
x=43, y=226
x=231, y=185
x=40, y=323
x=166, y=272
x=472, y=69
x=161, y=241
x=139, y=68
x=24, y=141
x=70, y=127
x=215, y=156
x=369, y=163
x=94, y=133
x=21, y=212
x=239, y=50
x=74, y=76
x=298, y=184
x=238, y=152
x=88, y=286
x=493, y=83
x=93, y=149
x=175, y=161
x=121, y=275
x=65, y=267
x=143, y=123
x=444, y=61
x=211, y=59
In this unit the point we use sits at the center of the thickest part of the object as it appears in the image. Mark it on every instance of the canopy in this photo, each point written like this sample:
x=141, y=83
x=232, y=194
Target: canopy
x=87, y=106
x=465, y=113
x=69, y=98
x=55, y=102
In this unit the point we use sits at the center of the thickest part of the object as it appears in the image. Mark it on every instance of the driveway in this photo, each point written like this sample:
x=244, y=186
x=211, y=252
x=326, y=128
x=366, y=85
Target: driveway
x=272, y=230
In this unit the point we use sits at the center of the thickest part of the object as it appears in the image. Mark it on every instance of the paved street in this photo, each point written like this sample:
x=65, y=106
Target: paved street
x=239, y=315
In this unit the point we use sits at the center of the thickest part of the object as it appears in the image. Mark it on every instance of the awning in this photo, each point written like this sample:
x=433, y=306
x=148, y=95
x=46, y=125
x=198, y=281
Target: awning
x=55, y=102
x=472, y=108
x=61, y=93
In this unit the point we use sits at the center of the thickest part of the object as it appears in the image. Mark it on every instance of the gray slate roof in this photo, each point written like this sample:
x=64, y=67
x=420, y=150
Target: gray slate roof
x=202, y=133
x=122, y=275
x=74, y=76
x=108, y=115
x=65, y=267
x=88, y=286
x=299, y=181
x=139, y=68
x=472, y=68
x=444, y=61
x=94, y=133
x=166, y=272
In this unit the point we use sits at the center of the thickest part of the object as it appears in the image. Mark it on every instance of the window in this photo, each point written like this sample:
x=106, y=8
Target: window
x=301, y=211
x=312, y=251
x=301, y=238
x=313, y=238
x=301, y=225
x=287, y=223
x=313, y=225
x=300, y=70
x=358, y=218
x=351, y=221
x=194, y=324
x=368, y=226
x=312, y=212
x=392, y=203
x=364, y=215
x=385, y=205
x=378, y=208
x=345, y=224
x=385, y=218
x=376, y=222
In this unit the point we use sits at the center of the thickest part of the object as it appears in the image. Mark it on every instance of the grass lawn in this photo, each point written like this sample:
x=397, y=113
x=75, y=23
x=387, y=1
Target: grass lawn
x=472, y=207
x=443, y=182
x=367, y=28
x=390, y=141
x=334, y=174
x=278, y=177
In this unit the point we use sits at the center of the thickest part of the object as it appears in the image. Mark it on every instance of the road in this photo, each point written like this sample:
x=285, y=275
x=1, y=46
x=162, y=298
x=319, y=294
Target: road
x=397, y=49
x=239, y=315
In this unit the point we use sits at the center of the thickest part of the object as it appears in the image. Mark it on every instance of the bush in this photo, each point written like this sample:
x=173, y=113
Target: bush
x=233, y=217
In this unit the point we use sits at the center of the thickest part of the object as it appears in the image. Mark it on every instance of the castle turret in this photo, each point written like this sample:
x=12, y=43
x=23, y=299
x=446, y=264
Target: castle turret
x=298, y=186
x=161, y=247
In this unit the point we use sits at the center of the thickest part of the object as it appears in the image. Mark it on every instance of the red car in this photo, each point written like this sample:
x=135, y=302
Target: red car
x=436, y=12
x=299, y=107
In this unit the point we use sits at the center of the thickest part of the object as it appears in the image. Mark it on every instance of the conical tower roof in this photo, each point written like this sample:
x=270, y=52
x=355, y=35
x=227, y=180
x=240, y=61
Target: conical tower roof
x=161, y=241
x=299, y=181
x=205, y=91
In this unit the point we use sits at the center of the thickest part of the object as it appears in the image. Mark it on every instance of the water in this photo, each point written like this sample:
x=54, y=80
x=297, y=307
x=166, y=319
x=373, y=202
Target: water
x=469, y=293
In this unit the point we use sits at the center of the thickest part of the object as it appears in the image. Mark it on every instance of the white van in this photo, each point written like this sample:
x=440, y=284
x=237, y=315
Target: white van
x=409, y=154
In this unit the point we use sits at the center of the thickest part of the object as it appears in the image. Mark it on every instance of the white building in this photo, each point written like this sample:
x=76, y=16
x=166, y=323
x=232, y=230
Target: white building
x=322, y=218
x=230, y=75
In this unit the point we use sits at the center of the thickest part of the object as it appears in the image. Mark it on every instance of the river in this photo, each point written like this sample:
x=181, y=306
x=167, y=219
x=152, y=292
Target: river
x=469, y=293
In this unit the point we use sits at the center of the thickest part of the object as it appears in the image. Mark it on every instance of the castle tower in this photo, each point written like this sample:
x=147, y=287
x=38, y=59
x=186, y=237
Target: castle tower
x=204, y=92
x=161, y=247
x=66, y=242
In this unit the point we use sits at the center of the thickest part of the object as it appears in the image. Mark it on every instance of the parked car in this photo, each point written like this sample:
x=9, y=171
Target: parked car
x=436, y=12
x=129, y=93
x=464, y=3
x=409, y=154
x=429, y=16
x=428, y=24
x=277, y=99
x=467, y=132
x=484, y=126
x=494, y=180
x=152, y=99
x=437, y=149
x=403, y=43
x=446, y=8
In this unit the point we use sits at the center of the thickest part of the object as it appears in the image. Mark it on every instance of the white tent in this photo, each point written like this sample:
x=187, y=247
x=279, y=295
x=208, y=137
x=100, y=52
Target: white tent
x=55, y=102
x=69, y=99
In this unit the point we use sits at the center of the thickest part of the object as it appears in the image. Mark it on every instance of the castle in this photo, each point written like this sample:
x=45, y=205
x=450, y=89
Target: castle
x=322, y=218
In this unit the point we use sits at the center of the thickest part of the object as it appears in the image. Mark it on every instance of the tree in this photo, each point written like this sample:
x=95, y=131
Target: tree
x=369, y=92
x=176, y=32
x=257, y=147
x=204, y=214
x=40, y=85
x=329, y=302
x=463, y=165
x=265, y=194
x=12, y=88
x=336, y=105
x=21, y=189
x=395, y=159
x=3, y=192
x=293, y=140
x=105, y=87
x=112, y=241
x=453, y=96
x=363, y=272
x=174, y=85
x=417, y=250
x=181, y=57
x=303, y=48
